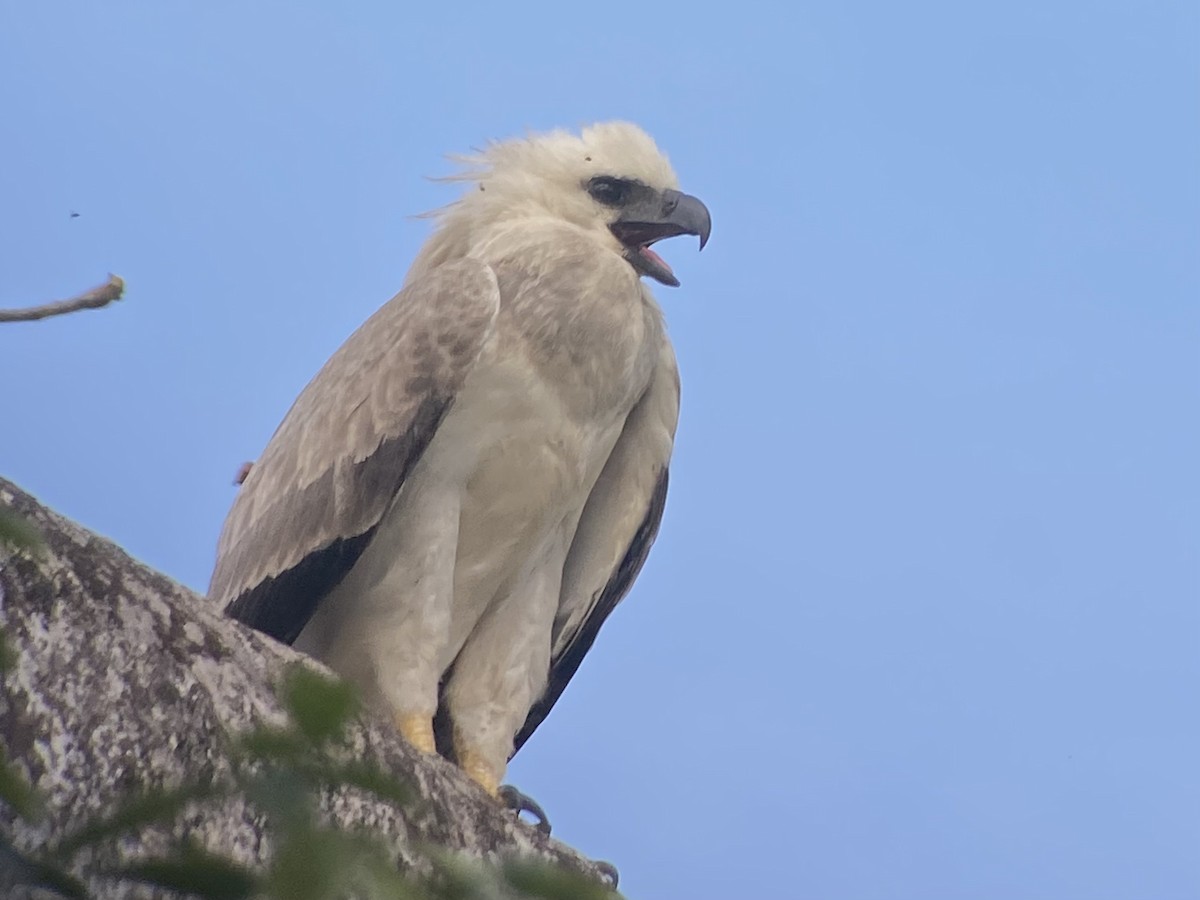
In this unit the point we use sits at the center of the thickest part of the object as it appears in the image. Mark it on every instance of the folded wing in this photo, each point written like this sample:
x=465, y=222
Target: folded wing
x=312, y=500
x=618, y=526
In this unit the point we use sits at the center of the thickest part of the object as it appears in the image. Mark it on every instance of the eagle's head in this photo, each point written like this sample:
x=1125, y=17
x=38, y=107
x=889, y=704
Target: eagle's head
x=610, y=179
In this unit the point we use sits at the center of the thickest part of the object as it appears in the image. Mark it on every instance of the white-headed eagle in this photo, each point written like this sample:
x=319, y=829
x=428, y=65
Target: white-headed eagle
x=460, y=497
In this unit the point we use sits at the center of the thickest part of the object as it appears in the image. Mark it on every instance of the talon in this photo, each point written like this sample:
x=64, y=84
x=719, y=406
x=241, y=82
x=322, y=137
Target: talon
x=609, y=871
x=523, y=803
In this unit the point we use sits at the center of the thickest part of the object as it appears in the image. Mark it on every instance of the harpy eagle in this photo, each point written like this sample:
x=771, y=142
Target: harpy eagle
x=469, y=486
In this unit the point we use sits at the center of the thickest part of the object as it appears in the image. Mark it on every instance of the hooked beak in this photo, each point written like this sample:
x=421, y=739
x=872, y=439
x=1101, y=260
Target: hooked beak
x=664, y=215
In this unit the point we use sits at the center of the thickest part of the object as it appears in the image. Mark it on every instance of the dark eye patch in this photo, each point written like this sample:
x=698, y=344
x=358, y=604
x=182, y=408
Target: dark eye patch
x=611, y=191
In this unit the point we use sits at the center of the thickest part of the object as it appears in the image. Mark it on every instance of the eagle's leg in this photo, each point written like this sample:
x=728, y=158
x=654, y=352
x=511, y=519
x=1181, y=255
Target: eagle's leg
x=523, y=803
x=501, y=670
x=417, y=729
x=478, y=766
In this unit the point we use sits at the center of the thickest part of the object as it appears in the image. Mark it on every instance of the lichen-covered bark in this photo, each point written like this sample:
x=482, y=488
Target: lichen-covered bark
x=126, y=680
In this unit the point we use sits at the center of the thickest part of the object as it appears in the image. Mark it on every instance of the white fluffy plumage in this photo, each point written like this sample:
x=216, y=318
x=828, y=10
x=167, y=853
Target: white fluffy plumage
x=469, y=486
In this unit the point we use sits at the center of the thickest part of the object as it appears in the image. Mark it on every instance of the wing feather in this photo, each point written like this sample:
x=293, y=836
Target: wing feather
x=311, y=501
x=615, y=532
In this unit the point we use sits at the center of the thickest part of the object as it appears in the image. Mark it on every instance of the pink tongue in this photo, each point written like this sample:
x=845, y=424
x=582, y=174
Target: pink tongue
x=655, y=258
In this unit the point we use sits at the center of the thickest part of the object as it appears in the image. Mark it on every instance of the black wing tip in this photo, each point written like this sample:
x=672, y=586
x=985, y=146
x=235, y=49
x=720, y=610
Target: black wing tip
x=563, y=670
x=281, y=605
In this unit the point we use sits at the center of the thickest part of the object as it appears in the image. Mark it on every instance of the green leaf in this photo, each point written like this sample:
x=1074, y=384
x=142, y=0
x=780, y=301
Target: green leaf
x=284, y=796
x=273, y=744
x=459, y=879
x=548, y=882
x=377, y=877
x=16, y=532
x=319, y=706
x=369, y=778
x=21, y=870
x=135, y=812
x=49, y=878
x=197, y=872
x=17, y=792
x=8, y=656
x=310, y=864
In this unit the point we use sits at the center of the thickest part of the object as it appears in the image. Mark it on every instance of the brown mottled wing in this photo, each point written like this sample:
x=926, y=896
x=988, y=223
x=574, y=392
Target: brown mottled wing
x=618, y=526
x=311, y=501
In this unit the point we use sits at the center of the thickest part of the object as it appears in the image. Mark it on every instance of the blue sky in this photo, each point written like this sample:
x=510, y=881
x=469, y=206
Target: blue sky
x=922, y=620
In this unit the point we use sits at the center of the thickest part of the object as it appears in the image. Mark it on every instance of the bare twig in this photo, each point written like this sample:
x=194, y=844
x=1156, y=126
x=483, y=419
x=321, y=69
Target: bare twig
x=94, y=299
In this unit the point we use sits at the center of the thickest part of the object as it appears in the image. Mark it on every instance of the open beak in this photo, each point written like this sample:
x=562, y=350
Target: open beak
x=664, y=215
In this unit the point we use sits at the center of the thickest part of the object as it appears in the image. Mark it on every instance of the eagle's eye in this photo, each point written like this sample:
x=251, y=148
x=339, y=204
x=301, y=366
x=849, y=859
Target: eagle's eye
x=608, y=190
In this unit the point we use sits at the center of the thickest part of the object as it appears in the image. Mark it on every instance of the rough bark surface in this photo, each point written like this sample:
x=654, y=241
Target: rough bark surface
x=126, y=680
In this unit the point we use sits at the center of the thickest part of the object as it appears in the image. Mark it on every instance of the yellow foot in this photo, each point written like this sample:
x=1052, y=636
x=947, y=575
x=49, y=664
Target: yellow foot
x=418, y=731
x=481, y=772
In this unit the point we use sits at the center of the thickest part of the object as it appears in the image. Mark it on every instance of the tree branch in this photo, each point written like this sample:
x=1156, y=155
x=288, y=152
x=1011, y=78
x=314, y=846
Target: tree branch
x=94, y=299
